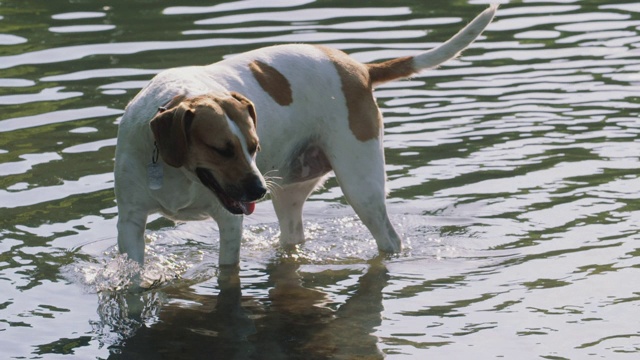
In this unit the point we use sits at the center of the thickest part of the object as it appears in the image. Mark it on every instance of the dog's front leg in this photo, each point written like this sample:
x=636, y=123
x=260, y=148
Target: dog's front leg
x=131, y=225
x=230, y=238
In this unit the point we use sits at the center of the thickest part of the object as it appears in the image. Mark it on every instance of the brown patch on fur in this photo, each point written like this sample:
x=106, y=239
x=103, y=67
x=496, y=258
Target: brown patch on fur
x=273, y=82
x=391, y=70
x=237, y=107
x=247, y=104
x=365, y=121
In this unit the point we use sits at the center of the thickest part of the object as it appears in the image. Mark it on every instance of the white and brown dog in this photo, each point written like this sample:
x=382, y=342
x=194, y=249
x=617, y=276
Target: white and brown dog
x=195, y=141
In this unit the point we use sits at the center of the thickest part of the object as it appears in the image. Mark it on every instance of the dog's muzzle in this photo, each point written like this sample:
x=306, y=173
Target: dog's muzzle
x=239, y=199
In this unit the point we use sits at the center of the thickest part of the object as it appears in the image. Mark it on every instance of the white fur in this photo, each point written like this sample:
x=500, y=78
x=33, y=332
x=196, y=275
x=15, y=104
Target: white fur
x=315, y=120
x=243, y=142
x=452, y=47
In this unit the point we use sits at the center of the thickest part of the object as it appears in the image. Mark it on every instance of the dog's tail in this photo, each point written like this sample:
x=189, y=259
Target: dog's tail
x=404, y=67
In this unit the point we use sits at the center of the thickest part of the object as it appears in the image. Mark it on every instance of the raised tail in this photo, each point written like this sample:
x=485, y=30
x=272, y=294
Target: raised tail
x=403, y=67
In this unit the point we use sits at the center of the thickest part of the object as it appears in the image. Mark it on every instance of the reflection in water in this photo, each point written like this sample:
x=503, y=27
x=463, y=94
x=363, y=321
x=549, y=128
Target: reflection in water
x=293, y=321
x=513, y=174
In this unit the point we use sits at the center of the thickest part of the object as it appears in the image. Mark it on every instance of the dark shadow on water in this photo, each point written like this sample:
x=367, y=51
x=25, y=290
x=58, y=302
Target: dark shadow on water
x=291, y=322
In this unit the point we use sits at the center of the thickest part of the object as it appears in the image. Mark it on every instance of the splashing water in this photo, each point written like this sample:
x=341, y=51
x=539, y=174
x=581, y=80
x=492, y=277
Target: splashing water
x=116, y=272
x=111, y=274
x=189, y=251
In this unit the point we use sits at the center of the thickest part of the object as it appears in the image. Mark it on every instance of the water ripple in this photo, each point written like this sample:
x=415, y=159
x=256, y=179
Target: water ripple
x=512, y=175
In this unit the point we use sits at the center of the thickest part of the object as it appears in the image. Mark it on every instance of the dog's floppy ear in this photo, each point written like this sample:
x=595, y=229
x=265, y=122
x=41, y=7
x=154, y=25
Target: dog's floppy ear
x=246, y=102
x=169, y=129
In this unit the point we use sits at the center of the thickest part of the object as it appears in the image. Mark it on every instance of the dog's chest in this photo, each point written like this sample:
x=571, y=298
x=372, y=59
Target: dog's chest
x=184, y=200
x=187, y=209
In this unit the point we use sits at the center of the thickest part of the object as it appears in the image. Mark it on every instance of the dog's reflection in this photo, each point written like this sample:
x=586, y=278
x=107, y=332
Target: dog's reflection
x=294, y=321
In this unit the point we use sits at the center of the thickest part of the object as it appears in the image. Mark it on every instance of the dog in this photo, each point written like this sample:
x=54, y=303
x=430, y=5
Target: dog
x=196, y=142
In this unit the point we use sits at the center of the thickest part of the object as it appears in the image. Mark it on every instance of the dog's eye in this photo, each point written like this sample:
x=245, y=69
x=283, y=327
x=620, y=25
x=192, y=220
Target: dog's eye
x=226, y=152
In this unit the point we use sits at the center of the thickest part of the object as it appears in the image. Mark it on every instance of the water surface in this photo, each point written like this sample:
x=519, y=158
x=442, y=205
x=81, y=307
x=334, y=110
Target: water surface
x=512, y=170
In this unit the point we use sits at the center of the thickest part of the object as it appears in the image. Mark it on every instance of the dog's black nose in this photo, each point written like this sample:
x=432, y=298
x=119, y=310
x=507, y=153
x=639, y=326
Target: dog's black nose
x=255, y=189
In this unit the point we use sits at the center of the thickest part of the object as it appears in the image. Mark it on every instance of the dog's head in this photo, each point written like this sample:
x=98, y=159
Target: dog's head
x=215, y=139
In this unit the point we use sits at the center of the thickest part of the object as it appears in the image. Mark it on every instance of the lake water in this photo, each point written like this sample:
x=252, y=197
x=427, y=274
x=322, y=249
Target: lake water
x=513, y=175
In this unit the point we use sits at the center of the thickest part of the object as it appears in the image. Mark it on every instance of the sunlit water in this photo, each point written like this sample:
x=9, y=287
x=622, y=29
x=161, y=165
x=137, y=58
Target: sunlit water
x=513, y=176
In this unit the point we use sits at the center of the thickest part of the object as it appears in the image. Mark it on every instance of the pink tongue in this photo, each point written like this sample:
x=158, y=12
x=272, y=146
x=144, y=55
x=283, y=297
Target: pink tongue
x=248, y=207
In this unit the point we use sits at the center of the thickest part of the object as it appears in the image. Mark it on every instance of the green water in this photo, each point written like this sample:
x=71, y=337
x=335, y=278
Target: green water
x=512, y=174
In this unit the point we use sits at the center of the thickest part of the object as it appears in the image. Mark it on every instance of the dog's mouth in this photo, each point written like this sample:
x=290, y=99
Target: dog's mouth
x=232, y=205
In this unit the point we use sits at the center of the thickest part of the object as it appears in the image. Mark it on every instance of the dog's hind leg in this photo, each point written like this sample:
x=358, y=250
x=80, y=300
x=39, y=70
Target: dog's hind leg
x=361, y=175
